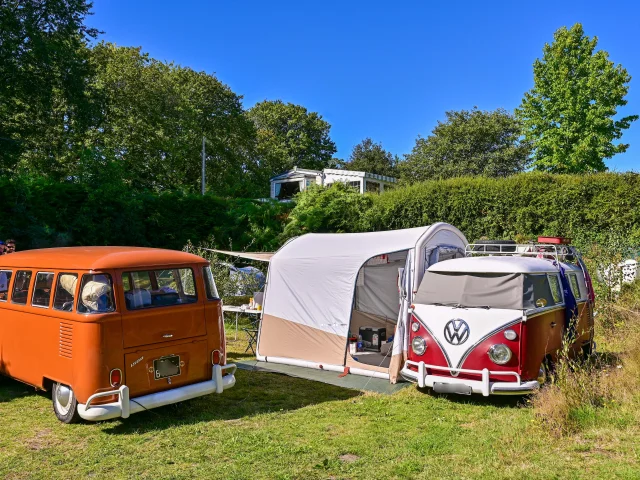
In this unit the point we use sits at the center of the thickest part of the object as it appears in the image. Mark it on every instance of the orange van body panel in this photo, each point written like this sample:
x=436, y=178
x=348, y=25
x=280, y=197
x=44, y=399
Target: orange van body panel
x=38, y=345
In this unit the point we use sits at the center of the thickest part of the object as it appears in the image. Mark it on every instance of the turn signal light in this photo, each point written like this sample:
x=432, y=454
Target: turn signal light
x=215, y=357
x=115, y=377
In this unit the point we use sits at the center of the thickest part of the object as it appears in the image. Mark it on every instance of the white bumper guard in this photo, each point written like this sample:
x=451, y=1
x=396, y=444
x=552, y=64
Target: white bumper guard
x=458, y=385
x=125, y=407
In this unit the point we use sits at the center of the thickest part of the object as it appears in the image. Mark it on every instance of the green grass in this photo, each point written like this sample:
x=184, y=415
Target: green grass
x=273, y=426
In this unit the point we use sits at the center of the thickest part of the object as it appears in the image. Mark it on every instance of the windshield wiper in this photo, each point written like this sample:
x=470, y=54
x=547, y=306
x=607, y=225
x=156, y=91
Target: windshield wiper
x=459, y=305
x=454, y=305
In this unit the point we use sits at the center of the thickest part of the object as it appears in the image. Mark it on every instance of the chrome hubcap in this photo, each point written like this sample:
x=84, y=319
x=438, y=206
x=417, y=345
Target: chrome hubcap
x=64, y=397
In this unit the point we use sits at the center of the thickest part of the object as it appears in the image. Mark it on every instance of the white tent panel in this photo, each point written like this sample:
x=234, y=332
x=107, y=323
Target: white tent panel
x=312, y=278
x=311, y=289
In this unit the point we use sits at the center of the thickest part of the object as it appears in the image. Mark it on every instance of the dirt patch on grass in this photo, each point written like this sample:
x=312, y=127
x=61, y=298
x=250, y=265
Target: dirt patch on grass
x=349, y=458
x=41, y=439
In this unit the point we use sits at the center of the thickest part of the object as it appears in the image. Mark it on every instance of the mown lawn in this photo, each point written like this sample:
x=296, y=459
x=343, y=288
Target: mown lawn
x=273, y=426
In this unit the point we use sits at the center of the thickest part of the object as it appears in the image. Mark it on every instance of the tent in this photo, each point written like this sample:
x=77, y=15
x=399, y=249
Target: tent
x=322, y=287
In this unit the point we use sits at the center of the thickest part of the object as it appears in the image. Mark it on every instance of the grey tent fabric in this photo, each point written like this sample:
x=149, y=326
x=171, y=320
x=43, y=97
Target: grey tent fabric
x=377, y=287
x=497, y=290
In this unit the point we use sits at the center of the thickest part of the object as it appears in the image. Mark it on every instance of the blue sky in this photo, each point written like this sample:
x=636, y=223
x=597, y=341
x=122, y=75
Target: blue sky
x=385, y=70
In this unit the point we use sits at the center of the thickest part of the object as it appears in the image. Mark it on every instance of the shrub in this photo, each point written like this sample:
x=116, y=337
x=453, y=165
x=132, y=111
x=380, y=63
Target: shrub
x=337, y=208
x=41, y=213
x=530, y=204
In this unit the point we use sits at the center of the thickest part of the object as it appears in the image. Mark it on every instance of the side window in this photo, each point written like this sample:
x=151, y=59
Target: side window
x=573, y=283
x=210, y=284
x=65, y=292
x=21, y=287
x=556, y=292
x=188, y=283
x=539, y=292
x=5, y=281
x=96, y=294
x=42, y=289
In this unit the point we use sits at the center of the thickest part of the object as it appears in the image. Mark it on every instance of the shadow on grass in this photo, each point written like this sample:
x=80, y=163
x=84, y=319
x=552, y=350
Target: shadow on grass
x=255, y=393
x=12, y=389
x=501, y=401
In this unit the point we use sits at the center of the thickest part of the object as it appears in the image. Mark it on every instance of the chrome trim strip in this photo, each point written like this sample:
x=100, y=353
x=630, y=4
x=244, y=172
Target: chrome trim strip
x=534, y=312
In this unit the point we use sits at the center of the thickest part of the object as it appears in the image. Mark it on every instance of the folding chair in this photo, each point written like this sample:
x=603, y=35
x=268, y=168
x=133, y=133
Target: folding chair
x=253, y=339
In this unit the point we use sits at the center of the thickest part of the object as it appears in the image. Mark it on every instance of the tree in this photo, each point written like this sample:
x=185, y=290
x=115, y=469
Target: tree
x=568, y=115
x=45, y=105
x=371, y=157
x=290, y=136
x=474, y=142
x=153, y=118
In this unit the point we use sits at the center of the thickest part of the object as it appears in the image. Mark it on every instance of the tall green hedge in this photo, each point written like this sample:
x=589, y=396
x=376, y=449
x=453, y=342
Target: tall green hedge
x=585, y=207
x=40, y=213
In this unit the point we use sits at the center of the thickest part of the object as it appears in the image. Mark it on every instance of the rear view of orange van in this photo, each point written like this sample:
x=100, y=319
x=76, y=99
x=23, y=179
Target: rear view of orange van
x=112, y=331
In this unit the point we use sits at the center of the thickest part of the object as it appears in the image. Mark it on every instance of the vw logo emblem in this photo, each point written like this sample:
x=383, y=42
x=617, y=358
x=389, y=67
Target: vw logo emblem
x=456, y=331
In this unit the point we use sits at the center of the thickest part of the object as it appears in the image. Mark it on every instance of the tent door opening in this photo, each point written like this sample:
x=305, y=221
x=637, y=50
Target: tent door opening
x=375, y=311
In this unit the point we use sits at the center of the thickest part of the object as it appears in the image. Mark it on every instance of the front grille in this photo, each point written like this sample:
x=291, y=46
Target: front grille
x=66, y=339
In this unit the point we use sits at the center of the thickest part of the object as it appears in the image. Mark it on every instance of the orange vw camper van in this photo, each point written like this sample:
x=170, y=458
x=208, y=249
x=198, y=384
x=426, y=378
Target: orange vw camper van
x=112, y=331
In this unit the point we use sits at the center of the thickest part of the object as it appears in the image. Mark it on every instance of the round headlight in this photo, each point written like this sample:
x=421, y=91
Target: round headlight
x=418, y=345
x=415, y=326
x=510, y=334
x=499, y=354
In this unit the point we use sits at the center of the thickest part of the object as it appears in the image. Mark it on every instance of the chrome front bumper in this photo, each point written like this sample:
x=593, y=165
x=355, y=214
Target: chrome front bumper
x=124, y=406
x=483, y=386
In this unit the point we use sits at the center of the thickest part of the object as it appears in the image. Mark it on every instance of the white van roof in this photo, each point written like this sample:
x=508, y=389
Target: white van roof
x=495, y=264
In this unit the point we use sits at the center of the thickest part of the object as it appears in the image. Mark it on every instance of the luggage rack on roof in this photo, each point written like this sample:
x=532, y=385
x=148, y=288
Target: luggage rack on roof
x=537, y=250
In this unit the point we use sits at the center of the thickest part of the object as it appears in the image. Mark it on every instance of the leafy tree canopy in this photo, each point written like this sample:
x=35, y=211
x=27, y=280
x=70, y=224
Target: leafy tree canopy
x=370, y=157
x=44, y=100
x=569, y=113
x=290, y=136
x=154, y=115
x=469, y=142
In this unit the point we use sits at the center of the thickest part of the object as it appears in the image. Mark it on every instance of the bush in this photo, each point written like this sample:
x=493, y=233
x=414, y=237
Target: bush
x=530, y=204
x=338, y=208
x=41, y=213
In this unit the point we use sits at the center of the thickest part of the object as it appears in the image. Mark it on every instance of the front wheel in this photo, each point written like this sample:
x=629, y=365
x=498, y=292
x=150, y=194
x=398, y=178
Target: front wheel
x=65, y=404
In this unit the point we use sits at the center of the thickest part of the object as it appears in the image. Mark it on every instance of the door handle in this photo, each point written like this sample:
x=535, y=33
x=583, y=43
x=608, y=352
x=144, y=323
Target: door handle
x=167, y=335
x=553, y=324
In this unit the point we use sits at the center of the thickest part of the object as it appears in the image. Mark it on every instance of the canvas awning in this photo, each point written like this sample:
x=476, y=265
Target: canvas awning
x=259, y=256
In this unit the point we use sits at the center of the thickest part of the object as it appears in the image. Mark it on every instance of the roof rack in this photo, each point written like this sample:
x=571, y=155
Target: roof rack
x=537, y=250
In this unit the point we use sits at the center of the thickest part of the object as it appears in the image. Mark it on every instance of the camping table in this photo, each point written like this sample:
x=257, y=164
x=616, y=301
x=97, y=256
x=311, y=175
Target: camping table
x=238, y=311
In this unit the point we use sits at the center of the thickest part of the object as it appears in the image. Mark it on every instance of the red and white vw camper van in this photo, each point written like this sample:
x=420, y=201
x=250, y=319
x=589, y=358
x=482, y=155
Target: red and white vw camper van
x=494, y=321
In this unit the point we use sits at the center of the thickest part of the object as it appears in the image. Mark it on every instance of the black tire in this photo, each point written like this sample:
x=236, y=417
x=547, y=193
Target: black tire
x=588, y=349
x=549, y=367
x=494, y=246
x=65, y=404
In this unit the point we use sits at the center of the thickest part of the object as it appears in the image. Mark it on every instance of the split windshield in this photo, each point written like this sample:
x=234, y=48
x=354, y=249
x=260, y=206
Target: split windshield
x=490, y=290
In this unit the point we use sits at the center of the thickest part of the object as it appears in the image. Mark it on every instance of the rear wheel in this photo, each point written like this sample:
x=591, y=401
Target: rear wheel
x=65, y=404
x=588, y=349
